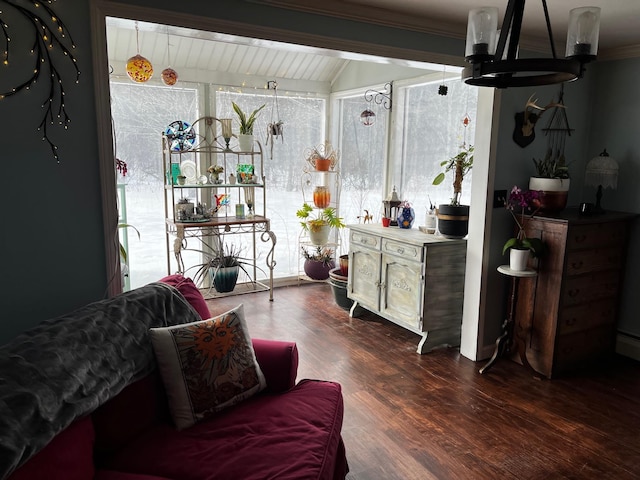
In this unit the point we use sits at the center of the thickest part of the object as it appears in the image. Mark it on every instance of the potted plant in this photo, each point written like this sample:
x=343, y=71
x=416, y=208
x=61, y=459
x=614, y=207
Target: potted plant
x=323, y=157
x=245, y=138
x=521, y=246
x=222, y=264
x=453, y=218
x=318, y=262
x=319, y=226
x=552, y=179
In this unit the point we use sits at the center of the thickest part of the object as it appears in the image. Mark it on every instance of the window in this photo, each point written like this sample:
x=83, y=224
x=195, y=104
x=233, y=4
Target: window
x=140, y=114
x=430, y=128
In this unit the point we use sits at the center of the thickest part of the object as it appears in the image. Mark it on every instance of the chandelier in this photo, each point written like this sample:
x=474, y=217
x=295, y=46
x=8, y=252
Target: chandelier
x=493, y=54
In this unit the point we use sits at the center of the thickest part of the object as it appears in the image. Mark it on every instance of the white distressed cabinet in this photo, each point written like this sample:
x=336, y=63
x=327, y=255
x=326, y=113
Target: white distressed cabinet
x=413, y=279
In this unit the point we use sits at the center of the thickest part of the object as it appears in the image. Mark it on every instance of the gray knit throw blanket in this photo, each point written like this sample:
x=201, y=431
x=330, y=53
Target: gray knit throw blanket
x=66, y=367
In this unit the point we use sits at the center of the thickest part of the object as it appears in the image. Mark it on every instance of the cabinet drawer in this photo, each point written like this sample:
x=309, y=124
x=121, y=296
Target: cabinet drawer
x=370, y=241
x=408, y=252
x=590, y=288
x=597, y=235
x=587, y=316
x=587, y=261
x=573, y=351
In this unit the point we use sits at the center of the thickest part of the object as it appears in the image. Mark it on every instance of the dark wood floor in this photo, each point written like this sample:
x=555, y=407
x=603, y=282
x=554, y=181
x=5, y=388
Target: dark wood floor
x=433, y=416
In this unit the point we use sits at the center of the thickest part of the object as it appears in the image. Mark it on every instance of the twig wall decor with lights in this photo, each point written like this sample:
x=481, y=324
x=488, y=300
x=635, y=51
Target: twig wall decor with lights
x=50, y=36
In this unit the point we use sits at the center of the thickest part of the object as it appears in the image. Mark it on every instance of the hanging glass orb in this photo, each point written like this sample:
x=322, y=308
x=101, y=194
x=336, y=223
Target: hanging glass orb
x=367, y=117
x=139, y=69
x=169, y=76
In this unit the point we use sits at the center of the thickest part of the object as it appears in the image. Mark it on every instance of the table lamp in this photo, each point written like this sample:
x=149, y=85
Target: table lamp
x=601, y=172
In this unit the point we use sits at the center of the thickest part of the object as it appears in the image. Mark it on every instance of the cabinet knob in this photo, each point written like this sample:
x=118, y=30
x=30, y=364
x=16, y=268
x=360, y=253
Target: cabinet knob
x=580, y=238
x=400, y=251
x=577, y=265
x=574, y=292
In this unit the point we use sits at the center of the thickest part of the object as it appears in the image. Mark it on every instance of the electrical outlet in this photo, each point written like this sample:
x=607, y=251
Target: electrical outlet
x=499, y=197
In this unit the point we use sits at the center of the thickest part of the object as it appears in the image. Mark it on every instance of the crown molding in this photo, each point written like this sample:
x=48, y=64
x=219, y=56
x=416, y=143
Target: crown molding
x=373, y=15
x=620, y=53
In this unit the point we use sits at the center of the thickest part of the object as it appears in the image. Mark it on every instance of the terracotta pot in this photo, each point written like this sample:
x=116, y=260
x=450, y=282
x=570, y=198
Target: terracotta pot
x=323, y=164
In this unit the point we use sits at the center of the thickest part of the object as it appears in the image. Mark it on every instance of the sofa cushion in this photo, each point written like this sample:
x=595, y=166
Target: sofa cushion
x=207, y=366
x=114, y=475
x=287, y=436
x=69, y=456
x=190, y=292
x=139, y=407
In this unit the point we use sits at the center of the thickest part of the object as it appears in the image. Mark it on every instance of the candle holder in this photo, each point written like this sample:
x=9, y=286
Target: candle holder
x=249, y=199
x=226, y=132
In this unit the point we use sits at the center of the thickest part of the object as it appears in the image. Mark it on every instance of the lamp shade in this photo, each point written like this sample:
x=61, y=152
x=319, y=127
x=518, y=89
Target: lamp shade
x=602, y=170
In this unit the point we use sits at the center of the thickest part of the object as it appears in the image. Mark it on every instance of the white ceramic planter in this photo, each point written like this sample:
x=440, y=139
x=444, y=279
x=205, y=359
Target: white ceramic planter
x=555, y=192
x=320, y=236
x=518, y=259
x=245, y=142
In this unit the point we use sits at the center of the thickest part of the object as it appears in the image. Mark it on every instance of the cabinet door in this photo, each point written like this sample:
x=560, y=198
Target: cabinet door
x=402, y=287
x=364, y=277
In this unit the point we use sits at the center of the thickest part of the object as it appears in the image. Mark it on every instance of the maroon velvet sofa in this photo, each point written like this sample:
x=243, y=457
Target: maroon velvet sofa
x=288, y=431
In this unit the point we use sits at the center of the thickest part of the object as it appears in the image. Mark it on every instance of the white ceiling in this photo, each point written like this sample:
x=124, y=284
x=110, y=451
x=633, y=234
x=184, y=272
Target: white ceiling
x=196, y=52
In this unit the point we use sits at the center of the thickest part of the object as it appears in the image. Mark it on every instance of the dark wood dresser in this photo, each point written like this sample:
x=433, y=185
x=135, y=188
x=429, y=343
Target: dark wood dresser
x=567, y=314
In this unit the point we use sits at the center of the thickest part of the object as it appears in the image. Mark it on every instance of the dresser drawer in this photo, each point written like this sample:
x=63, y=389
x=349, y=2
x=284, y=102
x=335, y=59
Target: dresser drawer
x=404, y=250
x=587, y=316
x=364, y=239
x=595, y=260
x=573, y=351
x=590, y=288
x=597, y=235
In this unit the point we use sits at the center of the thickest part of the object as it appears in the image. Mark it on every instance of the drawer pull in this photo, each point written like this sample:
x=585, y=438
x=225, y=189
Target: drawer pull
x=400, y=250
x=580, y=238
x=577, y=265
x=574, y=293
x=571, y=322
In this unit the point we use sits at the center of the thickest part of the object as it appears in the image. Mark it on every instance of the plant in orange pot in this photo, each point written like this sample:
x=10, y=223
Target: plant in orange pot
x=323, y=157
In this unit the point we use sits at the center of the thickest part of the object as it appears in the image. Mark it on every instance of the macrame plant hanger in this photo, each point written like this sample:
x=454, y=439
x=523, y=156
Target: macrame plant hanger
x=557, y=130
x=274, y=129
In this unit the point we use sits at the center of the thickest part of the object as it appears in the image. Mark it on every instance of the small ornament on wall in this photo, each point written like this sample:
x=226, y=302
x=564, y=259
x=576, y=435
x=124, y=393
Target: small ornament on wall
x=51, y=43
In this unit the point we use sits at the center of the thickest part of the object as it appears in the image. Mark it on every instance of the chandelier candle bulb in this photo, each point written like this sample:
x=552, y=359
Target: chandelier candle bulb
x=481, y=33
x=584, y=30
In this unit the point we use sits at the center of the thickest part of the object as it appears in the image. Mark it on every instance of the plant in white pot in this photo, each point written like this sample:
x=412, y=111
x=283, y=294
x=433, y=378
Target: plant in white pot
x=453, y=218
x=320, y=226
x=245, y=138
x=552, y=179
x=522, y=205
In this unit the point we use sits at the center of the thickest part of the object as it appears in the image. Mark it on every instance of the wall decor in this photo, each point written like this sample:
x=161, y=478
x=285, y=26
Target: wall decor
x=138, y=68
x=52, y=42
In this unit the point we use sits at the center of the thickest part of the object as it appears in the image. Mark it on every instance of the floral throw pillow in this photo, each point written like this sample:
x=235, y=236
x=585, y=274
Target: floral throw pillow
x=206, y=366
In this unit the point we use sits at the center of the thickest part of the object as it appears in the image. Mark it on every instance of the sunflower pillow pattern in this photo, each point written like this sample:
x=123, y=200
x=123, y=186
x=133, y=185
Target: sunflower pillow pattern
x=206, y=366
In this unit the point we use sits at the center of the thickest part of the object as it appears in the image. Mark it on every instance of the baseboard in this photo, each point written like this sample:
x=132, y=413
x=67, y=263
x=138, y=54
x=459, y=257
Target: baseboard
x=628, y=345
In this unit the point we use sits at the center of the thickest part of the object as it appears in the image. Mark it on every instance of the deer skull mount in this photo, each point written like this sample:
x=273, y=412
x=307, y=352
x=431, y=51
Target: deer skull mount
x=524, y=132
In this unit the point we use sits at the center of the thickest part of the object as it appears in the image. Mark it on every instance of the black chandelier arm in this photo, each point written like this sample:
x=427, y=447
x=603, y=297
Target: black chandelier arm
x=550, y=33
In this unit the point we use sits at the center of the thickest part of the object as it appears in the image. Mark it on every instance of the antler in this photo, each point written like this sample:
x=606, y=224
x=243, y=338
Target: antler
x=530, y=118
